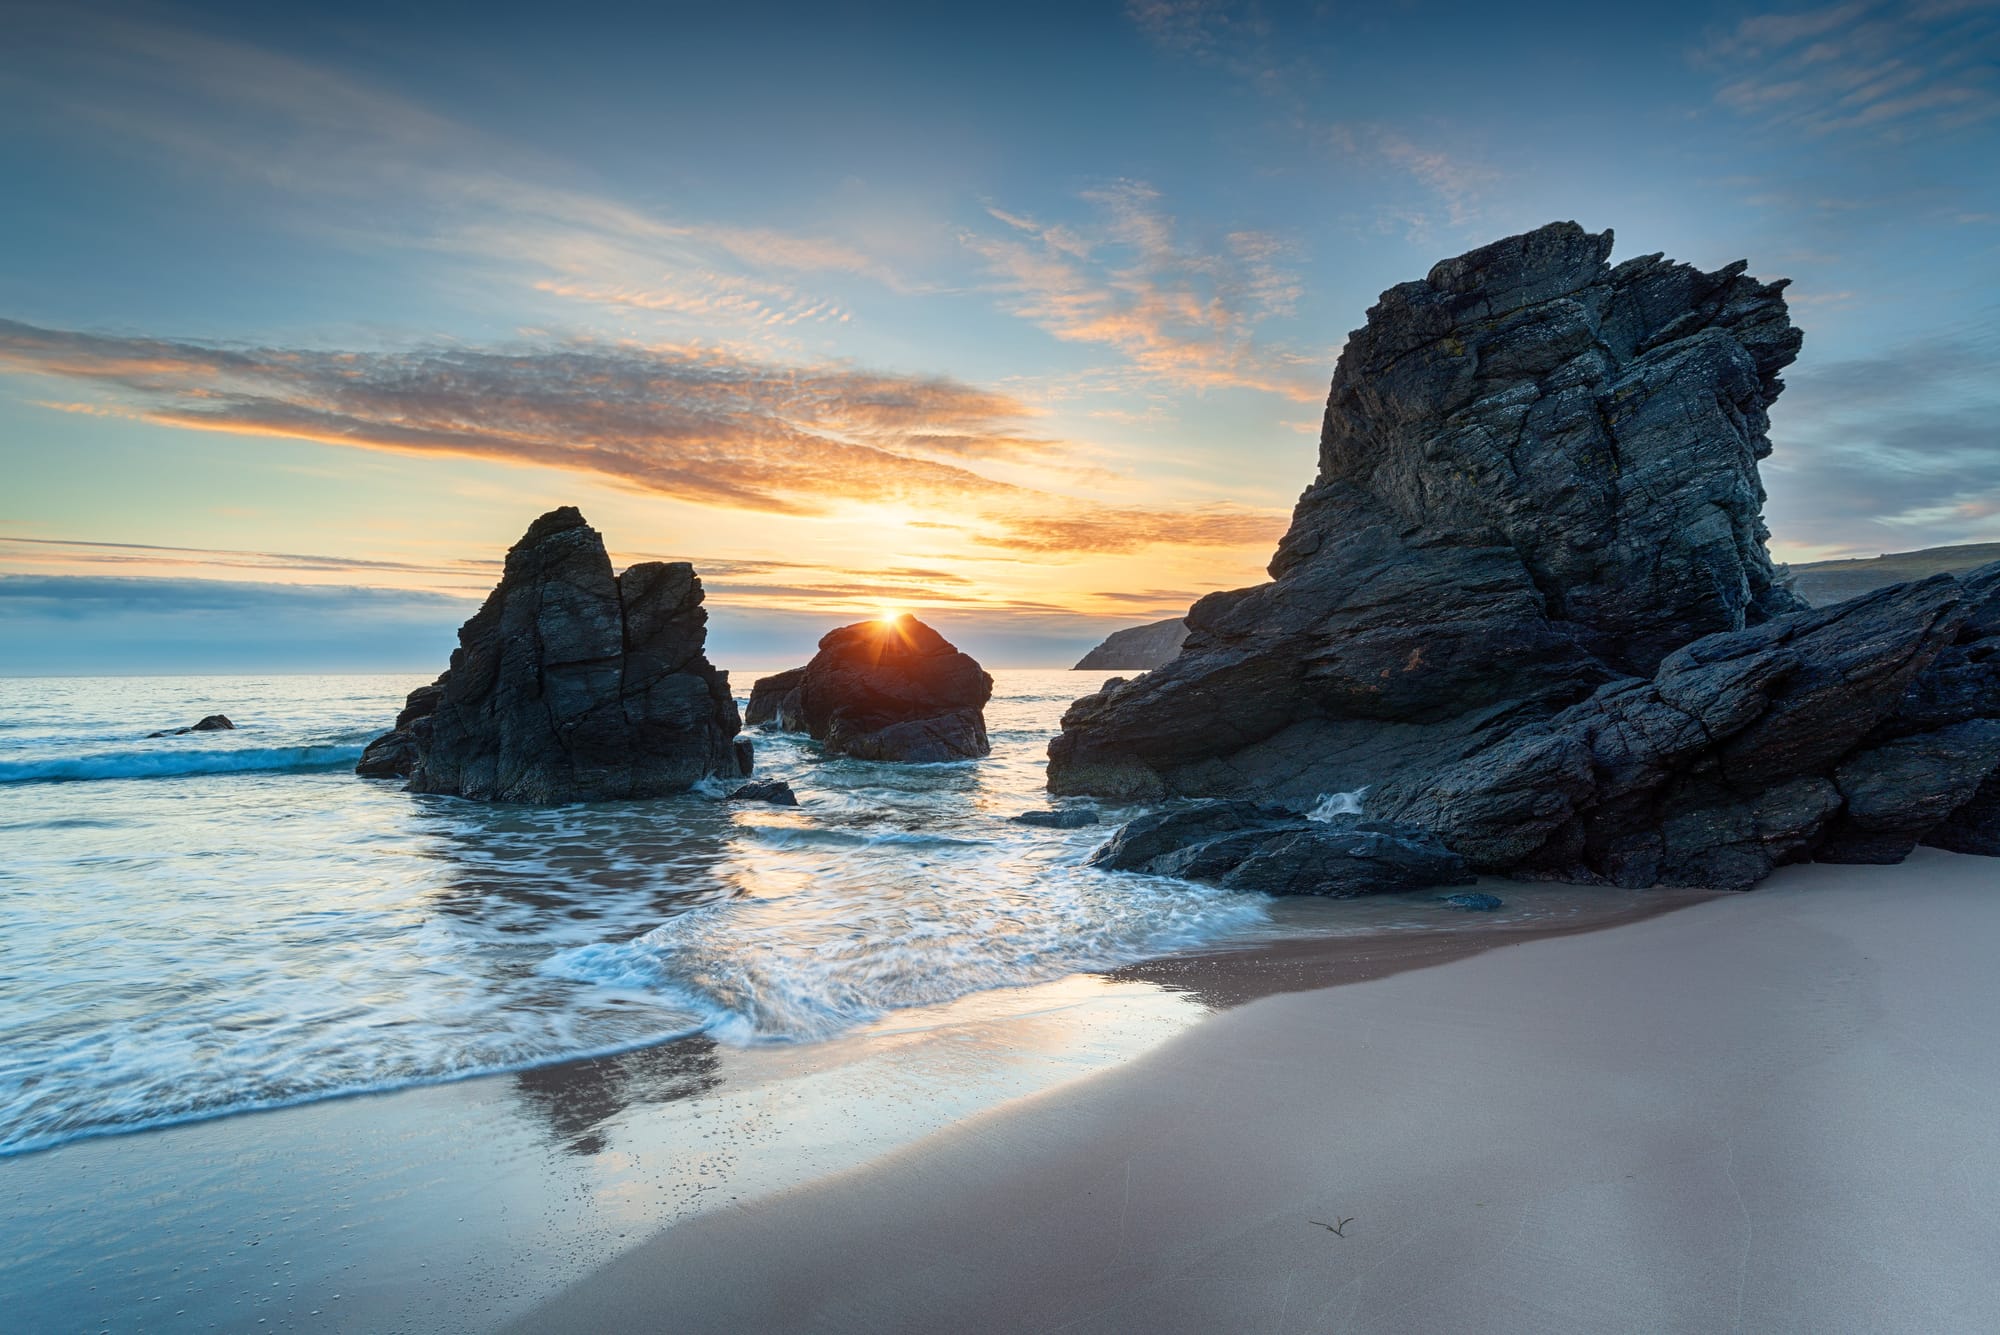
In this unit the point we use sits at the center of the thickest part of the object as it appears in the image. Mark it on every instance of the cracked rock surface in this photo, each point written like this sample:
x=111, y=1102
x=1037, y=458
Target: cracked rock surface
x=571, y=684
x=1527, y=604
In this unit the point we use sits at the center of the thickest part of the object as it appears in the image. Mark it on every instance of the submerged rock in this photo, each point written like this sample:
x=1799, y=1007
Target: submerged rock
x=775, y=791
x=212, y=723
x=1527, y=603
x=883, y=690
x=1249, y=846
x=571, y=684
x=1069, y=818
x=1473, y=903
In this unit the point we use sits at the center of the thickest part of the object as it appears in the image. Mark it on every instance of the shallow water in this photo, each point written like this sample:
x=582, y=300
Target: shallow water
x=218, y=922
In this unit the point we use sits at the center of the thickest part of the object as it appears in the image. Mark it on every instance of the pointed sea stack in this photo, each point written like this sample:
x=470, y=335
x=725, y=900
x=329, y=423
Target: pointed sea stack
x=571, y=684
x=1527, y=605
x=882, y=690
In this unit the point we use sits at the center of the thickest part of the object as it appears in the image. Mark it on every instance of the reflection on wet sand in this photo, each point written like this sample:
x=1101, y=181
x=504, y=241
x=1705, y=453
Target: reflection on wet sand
x=1220, y=979
x=575, y=1099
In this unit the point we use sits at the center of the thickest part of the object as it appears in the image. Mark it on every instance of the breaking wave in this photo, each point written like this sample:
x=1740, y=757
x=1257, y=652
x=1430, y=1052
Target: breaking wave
x=175, y=763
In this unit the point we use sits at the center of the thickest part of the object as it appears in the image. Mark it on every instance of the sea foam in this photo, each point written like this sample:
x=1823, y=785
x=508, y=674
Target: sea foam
x=167, y=762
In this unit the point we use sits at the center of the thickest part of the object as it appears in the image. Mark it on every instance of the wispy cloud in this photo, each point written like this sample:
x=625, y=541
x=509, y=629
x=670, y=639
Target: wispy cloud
x=1234, y=35
x=1892, y=69
x=331, y=147
x=697, y=424
x=22, y=550
x=1120, y=530
x=1890, y=452
x=1179, y=314
x=701, y=424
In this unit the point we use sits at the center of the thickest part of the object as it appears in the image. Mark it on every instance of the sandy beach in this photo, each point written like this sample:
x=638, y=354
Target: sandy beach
x=1769, y=1112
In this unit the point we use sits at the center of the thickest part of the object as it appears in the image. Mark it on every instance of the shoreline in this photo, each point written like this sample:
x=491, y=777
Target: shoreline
x=457, y=1205
x=1771, y=1111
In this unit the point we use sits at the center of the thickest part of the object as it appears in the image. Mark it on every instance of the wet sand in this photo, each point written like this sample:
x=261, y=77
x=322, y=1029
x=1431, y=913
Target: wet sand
x=461, y=1206
x=1770, y=1112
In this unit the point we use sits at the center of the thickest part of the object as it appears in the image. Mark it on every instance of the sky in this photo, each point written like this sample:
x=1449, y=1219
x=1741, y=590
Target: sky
x=1016, y=317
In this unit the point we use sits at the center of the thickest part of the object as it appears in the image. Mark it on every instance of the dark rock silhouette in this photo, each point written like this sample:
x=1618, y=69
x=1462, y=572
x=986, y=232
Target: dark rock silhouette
x=1137, y=649
x=394, y=754
x=571, y=684
x=1527, y=604
x=211, y=723
x=775, y=791
x=883, y=690
x=1250, y=846
x=768, y=696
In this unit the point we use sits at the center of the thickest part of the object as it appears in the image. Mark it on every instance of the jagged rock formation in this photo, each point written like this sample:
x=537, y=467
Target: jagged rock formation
x=1823, y=583
x=571, y=684
x=1137, y=649
x=1527, y=604
x=882, y=690
x=1248, y=846
x=1847, y=734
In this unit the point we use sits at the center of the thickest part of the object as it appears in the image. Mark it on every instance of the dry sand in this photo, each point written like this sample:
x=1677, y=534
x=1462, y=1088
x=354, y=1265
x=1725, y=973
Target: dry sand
x=1770, y=1112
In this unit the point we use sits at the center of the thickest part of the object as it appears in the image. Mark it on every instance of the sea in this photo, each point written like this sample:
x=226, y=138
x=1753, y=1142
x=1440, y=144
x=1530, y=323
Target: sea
x=216, y=923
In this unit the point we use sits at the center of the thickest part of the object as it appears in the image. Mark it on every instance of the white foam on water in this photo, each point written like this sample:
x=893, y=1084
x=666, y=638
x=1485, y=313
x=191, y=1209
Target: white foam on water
x=1337, y=804
x=773, y=970
x=183, y=948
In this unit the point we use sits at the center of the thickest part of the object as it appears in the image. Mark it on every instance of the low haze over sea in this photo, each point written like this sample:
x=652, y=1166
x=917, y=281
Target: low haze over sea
x=217, y=922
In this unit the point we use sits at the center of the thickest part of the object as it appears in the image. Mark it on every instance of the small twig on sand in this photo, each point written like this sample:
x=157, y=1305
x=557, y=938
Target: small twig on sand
x=1338, y=1230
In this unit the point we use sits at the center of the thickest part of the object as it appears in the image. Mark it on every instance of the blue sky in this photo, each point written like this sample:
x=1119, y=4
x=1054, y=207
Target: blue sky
x=1020, y=318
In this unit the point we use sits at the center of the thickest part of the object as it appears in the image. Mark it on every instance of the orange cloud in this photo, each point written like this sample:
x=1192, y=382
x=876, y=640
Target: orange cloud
x=696, y=424
x=1179, y=315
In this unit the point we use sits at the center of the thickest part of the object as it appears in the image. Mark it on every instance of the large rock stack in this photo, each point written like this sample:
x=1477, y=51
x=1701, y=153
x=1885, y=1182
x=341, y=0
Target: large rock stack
x=571, y=684
x=1527, y=604
x=892, y=689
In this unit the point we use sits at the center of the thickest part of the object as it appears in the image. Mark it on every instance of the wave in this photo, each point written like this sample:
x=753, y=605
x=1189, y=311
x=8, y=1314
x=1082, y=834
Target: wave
x=173, y=763
x=756, y=972
x=793, y=836
x=1338, y=804
x=143, y=1110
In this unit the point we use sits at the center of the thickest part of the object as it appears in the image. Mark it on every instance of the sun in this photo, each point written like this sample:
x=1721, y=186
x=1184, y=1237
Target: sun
x=888, y=616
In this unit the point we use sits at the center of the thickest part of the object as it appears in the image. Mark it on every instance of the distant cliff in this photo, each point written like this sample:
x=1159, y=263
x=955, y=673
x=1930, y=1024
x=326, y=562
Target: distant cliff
x=1823, y=583
x=1137, y=649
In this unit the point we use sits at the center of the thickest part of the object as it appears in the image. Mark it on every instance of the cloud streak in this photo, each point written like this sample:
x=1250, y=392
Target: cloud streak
x=1890, y=452
x=698, y=424
x=1890, y=69
x=1180, y=315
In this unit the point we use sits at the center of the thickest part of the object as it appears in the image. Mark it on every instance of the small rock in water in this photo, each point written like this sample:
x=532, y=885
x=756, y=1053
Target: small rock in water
x=1072, y=819
x=572, y=684
x=775, y=791
x=891, y=690
x=1474, y=903
x=213, y=723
